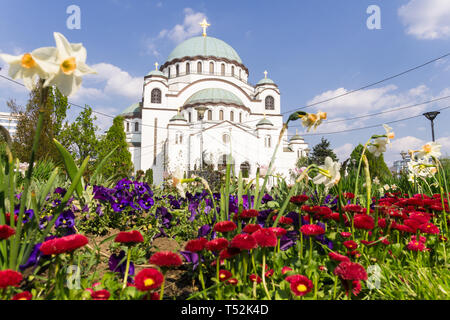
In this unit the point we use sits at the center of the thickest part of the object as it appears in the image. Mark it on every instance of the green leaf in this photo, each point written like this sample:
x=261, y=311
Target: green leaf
x=71, y=167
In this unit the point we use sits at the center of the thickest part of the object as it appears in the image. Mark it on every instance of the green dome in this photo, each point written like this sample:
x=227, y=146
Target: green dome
x=264, y=122
x=296, y=137
x=178, y=117
x=214, y=95
x=156, y=73
x=133, y=109
x=204, y=46
x=265, y=81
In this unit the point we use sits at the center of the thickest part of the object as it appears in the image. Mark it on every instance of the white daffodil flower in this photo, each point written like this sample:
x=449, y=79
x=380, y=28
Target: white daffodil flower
x=69, y=66
x=376, y=180
x=30, y=66
x=389, y=133
x=429, y=150
x=421, y=168
x=177, y=181
x=377, y=146
x=329, y=173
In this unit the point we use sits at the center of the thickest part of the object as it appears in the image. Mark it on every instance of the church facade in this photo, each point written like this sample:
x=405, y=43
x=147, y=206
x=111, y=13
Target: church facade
x=198, y=109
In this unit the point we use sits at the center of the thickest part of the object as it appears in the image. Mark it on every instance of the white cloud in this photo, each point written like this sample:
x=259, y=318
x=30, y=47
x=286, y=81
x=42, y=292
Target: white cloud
x=343, y=152
x=189, y=28
x=426, y=19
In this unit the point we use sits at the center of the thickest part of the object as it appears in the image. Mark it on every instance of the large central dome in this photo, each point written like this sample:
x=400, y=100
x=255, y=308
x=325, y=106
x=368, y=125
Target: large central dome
x=204, y=46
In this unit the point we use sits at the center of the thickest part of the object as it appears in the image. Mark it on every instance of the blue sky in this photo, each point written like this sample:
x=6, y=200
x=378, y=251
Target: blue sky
x=313, y=50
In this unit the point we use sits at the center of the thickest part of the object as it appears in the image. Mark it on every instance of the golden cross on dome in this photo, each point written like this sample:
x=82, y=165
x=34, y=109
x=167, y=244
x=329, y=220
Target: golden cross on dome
x=265, y=74
x=204, y=24
x=156, y=66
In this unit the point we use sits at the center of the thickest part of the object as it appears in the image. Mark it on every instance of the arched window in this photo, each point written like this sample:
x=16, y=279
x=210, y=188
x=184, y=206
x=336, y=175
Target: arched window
x=221, y=115
x=179, y=138
x=270, y=103
x=231, y=116
x=190, y=117
x=156, y=96
x=211, y=67
x=226, y=138
x=209, y=115
x=168, y=70
x=177, y=70
x=199, y=67
x=136, y=126
x=232, y=71
x=128, y=127
x=222, y=69
x=240, y=117
x=245, y=169
x=188, y=68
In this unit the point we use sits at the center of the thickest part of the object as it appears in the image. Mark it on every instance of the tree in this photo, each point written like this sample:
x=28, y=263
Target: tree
x=54, y=115
x=321, y=151
x=119, y=164
x=377, y=166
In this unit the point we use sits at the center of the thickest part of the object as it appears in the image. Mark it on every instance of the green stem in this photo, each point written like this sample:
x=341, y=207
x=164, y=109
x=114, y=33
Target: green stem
x=127, y=269
x=264, y=274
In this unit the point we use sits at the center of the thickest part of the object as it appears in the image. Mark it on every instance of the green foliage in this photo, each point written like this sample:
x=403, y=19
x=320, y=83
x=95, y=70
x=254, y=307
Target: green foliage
x=378, y=167
x=119, y=164
x=321, y=151
x=148, y=177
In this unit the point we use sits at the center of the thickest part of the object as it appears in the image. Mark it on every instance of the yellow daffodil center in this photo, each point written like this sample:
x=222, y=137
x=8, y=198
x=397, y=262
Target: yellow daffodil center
x=68, y=65
x=301, y=288
x=427, y=148
x=391, y=135
x=28, y=61
x=312, y=117
x=322, y=115
x=149, y=282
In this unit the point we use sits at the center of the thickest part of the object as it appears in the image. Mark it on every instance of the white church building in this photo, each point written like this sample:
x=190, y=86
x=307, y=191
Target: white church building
x=198, y=108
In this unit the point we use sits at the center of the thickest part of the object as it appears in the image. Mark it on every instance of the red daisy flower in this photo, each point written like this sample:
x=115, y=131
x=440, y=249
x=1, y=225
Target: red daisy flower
x=224, y=275
x=335, y=216
x=232, y=281
x=349, y=195
x=355, y=285
x=244, y=242
x=363, y=221
x=250, y=228
x=100, y=295
x=367, y=243
x=301, y=285
x=283, y=220
x=298, y=200
x=350, y=244
x=64, y=244
x=248, y=214
x=9, y=278
x=285, y=270
x=217, y=244
x=346, y=234
x=312, y=230
x=265, y=238
x=416, y=246
x=338, y=257
x=350, y=271
x=278, y=231
x=166, y=259
x=228, y=253
x=255, y=278
x=196, y=245
x=353, y=208
x=129, y=237
x=224, y=226
x=6, y=231
x=429, y=228
x=421, y=238
x=421, y=217
x=269, y=273
x=25, y=295
x=148, y=279
x=413, y=224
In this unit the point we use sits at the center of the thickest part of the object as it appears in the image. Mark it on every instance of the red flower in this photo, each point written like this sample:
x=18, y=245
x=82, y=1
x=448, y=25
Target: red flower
x=382, y=223
x=279, y=232
x=421, y=217
x=228, y=253
x=224, y=275
x=100, y=295
x=166, y=259
x=283, y=220
x=250, y=228
x=353, y=208
x=350, y=271
x=248, y=214
x=155, y=296
x=217, y=244
x=6, y=231
x=148, y=279
x=232, y=281
x=224, y=226
x=416, y=246
x=25, y=295
x=269, y=273
x=413, y=224
x=349, y=195
x=255, y=278
x=363, y=221
x=8, y=217
x=265, y=238
x=367, y=243
x=312, y=230
x=429, y=228
x=196, y=245
x=301, y=285
x=9, y=278
x=298, y=200
x=64, y=244
x=338, y=257
x=350, y=244
x=285, y=270
x=244, y=242
x=355, y=285
x=345, y=234
x=130, y=237
x=335, y=216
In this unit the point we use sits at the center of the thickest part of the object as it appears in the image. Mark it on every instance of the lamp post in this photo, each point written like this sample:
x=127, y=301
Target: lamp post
x=431, y=116
x=201, y=112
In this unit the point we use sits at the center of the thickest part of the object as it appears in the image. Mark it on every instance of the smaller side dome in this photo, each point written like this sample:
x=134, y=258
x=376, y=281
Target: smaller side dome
x=133, y=111
x=178, y=117
x=265, y=81
x=156, y=73
x=296, y=139
x=264, y=122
